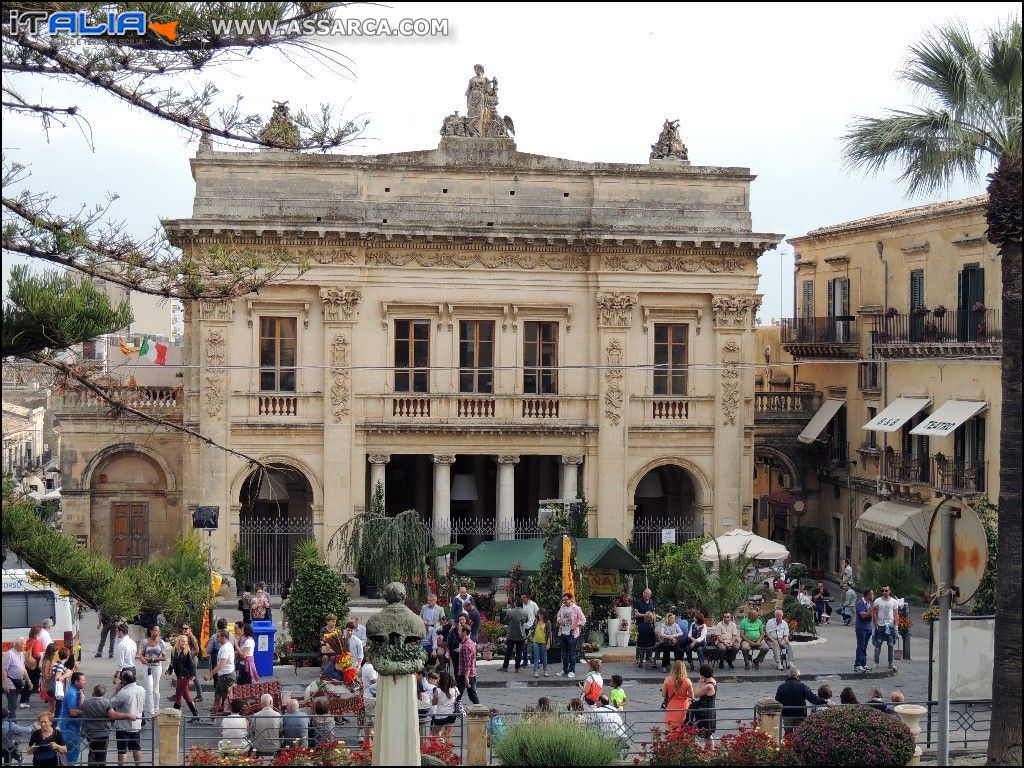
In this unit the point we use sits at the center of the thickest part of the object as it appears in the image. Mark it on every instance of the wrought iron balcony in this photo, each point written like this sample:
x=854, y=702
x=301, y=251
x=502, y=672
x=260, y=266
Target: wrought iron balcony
x=957, y=478
x=905, y=468
x=805, y=337
x=936, y=333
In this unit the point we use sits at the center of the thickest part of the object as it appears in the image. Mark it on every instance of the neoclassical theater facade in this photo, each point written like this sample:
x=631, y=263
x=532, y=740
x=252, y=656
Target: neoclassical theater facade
x=476, y=329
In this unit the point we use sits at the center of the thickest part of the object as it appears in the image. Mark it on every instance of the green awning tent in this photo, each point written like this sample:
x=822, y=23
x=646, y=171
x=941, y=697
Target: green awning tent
x=496, y=558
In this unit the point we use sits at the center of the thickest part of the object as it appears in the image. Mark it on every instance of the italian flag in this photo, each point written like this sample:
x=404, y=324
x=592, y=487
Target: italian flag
x=154, y=351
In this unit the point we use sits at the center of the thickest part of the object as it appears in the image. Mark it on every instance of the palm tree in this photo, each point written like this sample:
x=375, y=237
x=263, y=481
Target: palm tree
x=971, y=119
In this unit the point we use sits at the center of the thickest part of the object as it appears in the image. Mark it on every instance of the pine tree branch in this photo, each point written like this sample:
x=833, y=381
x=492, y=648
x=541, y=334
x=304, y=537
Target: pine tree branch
x=119, y=407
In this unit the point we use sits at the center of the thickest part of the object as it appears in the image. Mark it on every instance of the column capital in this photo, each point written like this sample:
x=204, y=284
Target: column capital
x=507, y=460
x=443, y=458
x=378, y=458
x=573, y=460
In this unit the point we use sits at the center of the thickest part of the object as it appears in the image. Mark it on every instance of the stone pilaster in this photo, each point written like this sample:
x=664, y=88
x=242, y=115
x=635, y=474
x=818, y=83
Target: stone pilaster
x=214, y=417
x=442, y=515
x=570, y=476
x=378, y=462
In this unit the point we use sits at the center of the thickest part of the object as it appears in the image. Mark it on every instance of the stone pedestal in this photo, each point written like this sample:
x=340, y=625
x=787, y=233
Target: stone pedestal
x=911, y=715
x=395, y=743
x=769, y=717
x=168, y=727
x=477, y=716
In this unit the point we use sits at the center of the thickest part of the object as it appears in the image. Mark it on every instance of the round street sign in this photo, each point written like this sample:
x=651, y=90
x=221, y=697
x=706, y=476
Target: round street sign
x=970, y=549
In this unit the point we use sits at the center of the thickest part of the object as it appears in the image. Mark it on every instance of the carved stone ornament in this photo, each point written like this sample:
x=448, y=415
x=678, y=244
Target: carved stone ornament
x=613, y=378
x=481, y=120
x=213, y=383
x=328, y=255
x=730, y=381
x=212, y=309
x=669, y=144
x=444, y=458
x=341, y=388
x=689, y=264
x=562, y=262
x=216, y=343
x=340, y=304
x=615, y=310
x=395, y=635
x=735, y=311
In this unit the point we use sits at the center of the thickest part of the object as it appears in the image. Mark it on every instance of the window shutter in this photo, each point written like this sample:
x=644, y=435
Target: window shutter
x=845, y=284
x=979, y=286
x=808, y=298
x=917, y=288
x=831, y=301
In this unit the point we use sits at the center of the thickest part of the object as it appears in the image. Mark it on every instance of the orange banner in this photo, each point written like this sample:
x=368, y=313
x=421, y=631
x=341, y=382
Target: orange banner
x=567, y=583
x=204, y=636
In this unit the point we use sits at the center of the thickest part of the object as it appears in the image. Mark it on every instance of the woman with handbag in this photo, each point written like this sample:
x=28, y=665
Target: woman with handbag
x=701, y=714
x=46, y=744
x=46, y=690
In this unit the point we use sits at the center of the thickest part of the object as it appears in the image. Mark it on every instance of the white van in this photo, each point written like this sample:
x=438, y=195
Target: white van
x=28, y=598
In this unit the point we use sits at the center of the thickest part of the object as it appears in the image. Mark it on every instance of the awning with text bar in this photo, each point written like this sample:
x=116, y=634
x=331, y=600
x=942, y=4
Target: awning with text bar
x=950, y=415
x=897, y=413
x=821, y=419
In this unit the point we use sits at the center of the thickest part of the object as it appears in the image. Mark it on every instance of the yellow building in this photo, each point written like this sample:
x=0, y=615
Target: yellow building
x=896, y=326
x=479, y=330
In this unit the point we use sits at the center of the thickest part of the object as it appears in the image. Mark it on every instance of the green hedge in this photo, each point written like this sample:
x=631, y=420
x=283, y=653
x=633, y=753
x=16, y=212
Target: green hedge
x=547, y=741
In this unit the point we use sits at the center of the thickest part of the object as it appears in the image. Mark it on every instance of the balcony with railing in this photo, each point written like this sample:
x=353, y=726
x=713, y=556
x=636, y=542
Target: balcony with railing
x=291, y=407
x=658, y=412
x=162, y=401
x=805, y=337
x=938, y=333
x=957, y=477
x=784, y=413
x=905, y=468
x=473, y=410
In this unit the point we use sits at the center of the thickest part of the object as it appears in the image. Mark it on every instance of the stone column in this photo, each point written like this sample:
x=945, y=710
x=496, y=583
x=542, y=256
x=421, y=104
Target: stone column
x=769, y=717
x=506, y=497
x=570, y=476
x=396, y=710
x=477, y=716
x=442, y=515
x=168, y=727
x=378, y=461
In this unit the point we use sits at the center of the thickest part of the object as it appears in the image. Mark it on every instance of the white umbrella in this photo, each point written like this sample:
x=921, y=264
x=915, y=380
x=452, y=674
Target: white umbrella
x=731, y=544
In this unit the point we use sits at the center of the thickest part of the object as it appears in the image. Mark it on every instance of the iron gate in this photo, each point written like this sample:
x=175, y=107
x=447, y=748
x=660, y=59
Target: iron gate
x=271, y=542
x=648, y=533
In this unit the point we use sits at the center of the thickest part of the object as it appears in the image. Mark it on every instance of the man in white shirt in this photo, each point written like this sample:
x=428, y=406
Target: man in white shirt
x=44, y=633
x=223, y=672
x=608, y=719
x=266, y=728
x=125, y=651
x=234, y=729
x=726, y=636
x=355, y=645
x=883, y=616
x=776, y=632
x=126, y=711
x=531, y=609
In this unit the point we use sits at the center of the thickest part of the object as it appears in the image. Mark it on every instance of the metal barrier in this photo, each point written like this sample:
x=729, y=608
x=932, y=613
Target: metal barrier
x=271, y=542
x=97, y=742
x=247, y=735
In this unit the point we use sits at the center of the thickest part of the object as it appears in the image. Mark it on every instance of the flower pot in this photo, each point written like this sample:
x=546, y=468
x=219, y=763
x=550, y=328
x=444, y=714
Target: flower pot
x=623, y=612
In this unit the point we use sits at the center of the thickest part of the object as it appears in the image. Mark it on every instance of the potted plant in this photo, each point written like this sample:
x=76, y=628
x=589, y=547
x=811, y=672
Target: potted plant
x=978, y=306
x=939, y=311
x=931, y=331
x=891, y=312
x=919, y=311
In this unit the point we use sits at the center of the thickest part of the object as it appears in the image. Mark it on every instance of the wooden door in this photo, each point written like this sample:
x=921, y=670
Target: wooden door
x=131, y=532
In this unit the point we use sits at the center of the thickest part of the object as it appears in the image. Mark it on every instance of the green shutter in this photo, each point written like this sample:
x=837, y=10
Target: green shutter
x=829, y=308
x=917, y=288
x=808, y=298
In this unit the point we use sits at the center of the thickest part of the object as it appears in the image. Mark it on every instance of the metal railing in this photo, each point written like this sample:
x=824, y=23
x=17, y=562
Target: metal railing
x=969, y=724
x=649, y=533
x=954, y=326
x=211, y=737
x=955, y=477
x=904, y=468
x=96, y=742
x=270, y=542
x=491, y=529
x=841, y=329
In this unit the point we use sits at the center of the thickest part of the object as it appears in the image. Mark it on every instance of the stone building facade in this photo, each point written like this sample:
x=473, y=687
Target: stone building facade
x=905, y=378
x=478, y=329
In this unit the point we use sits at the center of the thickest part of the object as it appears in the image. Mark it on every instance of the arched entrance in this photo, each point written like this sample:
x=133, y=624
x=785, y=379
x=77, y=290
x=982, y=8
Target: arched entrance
x=276, y=514
x=666, y=508
x=128, y=501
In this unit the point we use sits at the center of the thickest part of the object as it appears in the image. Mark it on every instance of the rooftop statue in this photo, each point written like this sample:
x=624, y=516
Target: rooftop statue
x=669, y=144
x=481, y=118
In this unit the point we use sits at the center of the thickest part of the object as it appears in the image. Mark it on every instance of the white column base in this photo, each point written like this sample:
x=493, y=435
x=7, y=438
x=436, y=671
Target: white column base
x=396, y=737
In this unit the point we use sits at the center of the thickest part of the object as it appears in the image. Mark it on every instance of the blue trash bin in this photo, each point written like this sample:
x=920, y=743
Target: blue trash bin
x=264, y=633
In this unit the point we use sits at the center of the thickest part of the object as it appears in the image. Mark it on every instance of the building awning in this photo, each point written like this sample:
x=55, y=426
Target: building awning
x=950, y=415
x=897, y=413
x=900, y=522
x=821, y=419
x=496, y=558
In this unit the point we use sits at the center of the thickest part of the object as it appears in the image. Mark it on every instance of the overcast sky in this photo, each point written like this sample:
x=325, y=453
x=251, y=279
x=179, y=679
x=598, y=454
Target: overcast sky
x=769, y=87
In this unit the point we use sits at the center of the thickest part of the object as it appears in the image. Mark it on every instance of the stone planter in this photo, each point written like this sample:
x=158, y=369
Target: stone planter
x=911, y=715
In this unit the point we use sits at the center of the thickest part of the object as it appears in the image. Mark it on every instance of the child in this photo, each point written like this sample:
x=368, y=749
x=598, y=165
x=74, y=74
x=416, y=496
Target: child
x=495, y=729
x=825, y=692
x=617, y=696
x=427, y=690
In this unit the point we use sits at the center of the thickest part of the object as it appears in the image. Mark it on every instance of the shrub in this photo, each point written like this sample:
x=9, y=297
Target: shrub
x=666, y=573
x=318, y=590
x=752, y=747
x=802, y=614
x=241, y=565
x=491, y=631
x=678, y=745
x=853, y=735
x=985, y=597
x=893, y=571
x=554, y=742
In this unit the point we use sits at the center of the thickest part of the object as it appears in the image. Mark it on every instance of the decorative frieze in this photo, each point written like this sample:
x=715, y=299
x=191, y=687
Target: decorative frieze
x=613, y=378
x=214, y=382
x=210, y=309
x=340, y=304
x=341, y=387
x=447, y=458
x=667, y=263
x=452, y=259
x=735, y=311
x=615, y=310
x=731, y=355
x=216, y=348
